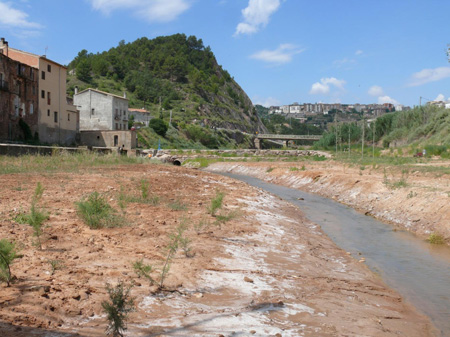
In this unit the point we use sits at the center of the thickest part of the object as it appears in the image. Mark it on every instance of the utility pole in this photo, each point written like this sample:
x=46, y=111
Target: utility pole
x=373, y=140
x=349, y=132
x=335, y=130
x=362, y=139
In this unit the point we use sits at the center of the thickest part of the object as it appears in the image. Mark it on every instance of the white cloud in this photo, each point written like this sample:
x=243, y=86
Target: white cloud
x=323, y=87
x=267, y=102
x=387, y=99
x=256, y=15
x=150, y=10
x=440, y=97
x=344, y=62
x=359, y=52
x=429, y=75
x=375, y=90
x=15, y=18
x=283, y=54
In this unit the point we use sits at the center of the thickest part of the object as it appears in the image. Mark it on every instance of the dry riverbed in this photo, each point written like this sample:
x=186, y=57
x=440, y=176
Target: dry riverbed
x=265, y=272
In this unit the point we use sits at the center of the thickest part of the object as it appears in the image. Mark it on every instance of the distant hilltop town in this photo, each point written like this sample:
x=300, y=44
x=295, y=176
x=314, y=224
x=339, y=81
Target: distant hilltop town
x=305, y=110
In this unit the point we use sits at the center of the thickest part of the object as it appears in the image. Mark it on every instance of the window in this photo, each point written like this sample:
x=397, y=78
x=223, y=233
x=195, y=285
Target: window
x=68, y=117
x=49, y=68
x=31, y=73
x=48, y=113
x=117, y=126
x=33, y=89
x=92, y=111
x=42, y=93
x=55, y=116
x=31, y=109
x=49, y=101
x=43, y=75
x=116, y=139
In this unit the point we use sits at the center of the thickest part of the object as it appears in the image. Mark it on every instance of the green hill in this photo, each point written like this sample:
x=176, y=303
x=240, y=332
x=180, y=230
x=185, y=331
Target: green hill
x=422, y=127
x=171, y=73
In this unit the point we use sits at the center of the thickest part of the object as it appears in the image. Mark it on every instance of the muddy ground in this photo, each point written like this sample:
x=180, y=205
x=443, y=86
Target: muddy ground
x=266, y=271
x=416, y=199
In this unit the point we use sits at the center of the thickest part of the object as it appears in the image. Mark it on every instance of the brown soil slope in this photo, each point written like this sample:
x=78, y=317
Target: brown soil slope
x=417, y=201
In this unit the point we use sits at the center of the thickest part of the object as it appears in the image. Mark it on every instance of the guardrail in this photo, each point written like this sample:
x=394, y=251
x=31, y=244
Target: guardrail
x=289, y=137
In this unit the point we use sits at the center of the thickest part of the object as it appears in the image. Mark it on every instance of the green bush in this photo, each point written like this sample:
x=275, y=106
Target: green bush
x=159, y=126
x=8, y=253
x=118, y=307
x=216, y=203
x=97, y=213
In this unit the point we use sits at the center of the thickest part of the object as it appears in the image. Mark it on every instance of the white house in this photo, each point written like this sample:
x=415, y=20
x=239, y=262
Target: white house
x=101, y=110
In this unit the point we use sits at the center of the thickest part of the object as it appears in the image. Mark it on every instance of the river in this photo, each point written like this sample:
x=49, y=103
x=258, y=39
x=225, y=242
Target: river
x=419, y=271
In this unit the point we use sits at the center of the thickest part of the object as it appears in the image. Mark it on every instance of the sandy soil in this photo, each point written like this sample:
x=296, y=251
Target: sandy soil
x=421, y=205
x=266, y=272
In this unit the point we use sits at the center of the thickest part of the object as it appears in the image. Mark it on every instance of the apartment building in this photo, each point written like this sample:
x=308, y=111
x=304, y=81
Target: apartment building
x=58, y=122
x=18, y=100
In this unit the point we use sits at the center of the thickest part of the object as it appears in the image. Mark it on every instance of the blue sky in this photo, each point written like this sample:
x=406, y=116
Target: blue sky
x=279, y=51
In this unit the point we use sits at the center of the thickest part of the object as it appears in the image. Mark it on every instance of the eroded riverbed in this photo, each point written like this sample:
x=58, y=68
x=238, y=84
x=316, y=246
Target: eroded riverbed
x=416, y=269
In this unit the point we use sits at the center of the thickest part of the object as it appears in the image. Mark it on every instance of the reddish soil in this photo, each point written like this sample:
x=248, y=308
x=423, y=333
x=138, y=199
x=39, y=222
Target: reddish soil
x=266, y=272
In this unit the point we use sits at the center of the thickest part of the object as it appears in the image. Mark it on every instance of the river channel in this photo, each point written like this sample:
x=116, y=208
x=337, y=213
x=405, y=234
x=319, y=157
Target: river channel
x=419, y=271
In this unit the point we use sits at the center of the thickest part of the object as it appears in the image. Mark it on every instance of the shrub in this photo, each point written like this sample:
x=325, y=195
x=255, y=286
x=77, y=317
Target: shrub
x=117, y=309
x=159, y=126
x=216, y=203
x=144, y=270
x=36, y=217
x=8, y=253
x=97, y=213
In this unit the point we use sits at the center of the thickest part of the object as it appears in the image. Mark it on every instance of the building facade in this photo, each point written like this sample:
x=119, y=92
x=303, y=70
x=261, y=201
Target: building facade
x=57, y=120
x=101, y=110
x=139, y=116
x=18, y=100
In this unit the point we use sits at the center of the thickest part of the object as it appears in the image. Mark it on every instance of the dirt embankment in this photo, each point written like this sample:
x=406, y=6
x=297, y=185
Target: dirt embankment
x=417, y=201
x=242, y=278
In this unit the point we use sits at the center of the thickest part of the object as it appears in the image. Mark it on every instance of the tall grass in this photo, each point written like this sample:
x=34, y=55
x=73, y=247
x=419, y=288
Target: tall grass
x=62, y=162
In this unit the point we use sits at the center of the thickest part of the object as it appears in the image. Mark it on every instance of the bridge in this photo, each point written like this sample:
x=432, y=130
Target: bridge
x=284, y=138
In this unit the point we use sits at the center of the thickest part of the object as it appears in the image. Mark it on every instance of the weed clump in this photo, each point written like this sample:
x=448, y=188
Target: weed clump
x=97, y=213
x=144, y=270
x=118, y=307
x=177, y=205
x=216, y=203
x=8, y=254
x=436, y=239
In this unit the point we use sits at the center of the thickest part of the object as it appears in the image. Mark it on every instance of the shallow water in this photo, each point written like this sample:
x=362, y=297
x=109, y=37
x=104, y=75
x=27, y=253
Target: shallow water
x=419, y=271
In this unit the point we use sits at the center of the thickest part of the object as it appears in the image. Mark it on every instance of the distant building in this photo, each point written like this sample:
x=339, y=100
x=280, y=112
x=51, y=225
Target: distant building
x=275, y=110
x=18, y=100
x=139, y=115
x=101, y=110
x=57, y=121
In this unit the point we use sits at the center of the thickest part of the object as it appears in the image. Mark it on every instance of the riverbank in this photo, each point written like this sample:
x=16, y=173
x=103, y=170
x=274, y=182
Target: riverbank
x=263, y=270
x=414, y=199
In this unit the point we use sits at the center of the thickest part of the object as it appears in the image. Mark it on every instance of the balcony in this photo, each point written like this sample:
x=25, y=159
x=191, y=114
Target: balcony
x=4, y=85
x=117, y=117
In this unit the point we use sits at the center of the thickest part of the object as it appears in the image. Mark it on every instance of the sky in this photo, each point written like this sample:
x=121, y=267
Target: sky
x=279, y=51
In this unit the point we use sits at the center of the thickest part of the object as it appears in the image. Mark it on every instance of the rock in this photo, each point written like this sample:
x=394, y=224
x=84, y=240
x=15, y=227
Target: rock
x=247, y=279
x=252, y=332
